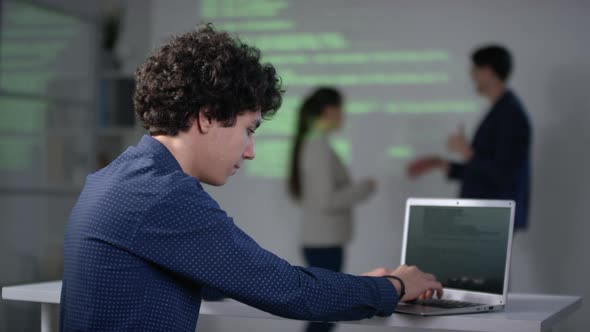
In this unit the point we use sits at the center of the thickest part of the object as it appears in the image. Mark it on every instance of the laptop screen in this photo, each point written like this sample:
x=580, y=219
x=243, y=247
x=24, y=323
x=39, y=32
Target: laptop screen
x=463, y=246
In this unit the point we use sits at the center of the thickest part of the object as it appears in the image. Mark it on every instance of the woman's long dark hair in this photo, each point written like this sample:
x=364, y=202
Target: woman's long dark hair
x=310, y=110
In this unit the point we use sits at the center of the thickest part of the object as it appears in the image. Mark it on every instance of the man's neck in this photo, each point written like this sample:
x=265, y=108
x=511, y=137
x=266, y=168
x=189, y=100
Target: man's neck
x=178, y=148
x=496, y=92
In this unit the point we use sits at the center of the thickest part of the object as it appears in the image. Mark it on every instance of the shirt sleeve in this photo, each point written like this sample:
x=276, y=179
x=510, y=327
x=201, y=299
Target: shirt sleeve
x=188, y=235
x=455, y=171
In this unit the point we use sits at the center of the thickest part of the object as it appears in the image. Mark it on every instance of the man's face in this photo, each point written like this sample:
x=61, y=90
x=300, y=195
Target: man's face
x=229, y=147
x=481, y=77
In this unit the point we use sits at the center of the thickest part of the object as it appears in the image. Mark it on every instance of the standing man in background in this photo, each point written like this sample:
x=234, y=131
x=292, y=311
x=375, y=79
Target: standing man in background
x=496, y=165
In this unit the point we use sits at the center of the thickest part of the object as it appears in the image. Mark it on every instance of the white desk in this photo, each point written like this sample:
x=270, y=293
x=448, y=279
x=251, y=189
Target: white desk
x=524, y=312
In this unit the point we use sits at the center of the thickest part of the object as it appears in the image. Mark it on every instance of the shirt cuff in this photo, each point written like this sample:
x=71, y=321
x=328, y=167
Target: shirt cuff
x=455, y=171
x=389, y=296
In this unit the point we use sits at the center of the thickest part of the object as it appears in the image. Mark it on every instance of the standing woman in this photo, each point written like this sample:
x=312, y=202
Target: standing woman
x=320, y=182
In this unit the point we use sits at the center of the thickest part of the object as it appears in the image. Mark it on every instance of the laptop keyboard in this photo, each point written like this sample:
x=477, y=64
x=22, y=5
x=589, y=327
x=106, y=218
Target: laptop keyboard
x=446, y=304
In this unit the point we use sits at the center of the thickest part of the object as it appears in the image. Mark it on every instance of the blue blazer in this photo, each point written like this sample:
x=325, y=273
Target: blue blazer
x=500, y=167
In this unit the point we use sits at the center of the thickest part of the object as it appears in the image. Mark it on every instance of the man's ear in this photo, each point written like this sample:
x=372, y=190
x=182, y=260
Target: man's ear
x=203, y=122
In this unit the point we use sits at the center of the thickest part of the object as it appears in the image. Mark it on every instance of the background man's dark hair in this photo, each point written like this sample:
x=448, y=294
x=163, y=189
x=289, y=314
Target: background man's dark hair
x=496, y=57
x=203, y=70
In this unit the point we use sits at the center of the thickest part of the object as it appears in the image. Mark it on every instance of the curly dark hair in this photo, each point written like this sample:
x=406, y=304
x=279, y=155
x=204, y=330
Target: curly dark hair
x=203, y=70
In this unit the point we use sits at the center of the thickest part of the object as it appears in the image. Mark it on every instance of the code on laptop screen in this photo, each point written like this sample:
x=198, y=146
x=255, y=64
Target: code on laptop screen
x=464, y=247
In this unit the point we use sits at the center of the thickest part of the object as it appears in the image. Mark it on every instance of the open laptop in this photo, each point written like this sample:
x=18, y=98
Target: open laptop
x=466, y=244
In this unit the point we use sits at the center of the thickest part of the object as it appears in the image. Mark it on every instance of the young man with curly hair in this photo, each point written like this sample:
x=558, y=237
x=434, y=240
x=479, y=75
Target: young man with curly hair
x=144, y=238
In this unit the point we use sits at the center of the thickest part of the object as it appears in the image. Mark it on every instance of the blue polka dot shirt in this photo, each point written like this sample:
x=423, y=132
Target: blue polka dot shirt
x=144, y=238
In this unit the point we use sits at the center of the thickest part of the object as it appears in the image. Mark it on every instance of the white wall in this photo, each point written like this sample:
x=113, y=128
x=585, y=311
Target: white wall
x=37, y=195
x=36, y=199
x=550, y=42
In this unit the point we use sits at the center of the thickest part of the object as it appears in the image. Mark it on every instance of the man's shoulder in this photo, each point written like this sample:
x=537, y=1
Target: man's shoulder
x=510, y=109
x=138, y=168
x=512, y=102
x=184, y=187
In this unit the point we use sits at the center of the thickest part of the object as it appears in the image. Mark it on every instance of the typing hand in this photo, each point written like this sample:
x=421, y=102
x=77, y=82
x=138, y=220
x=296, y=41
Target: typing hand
x=418, y=284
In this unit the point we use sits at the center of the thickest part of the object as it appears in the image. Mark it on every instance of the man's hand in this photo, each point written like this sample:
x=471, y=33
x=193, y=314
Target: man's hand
x=418, y=284
x=426, y=164
x=457, y=143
